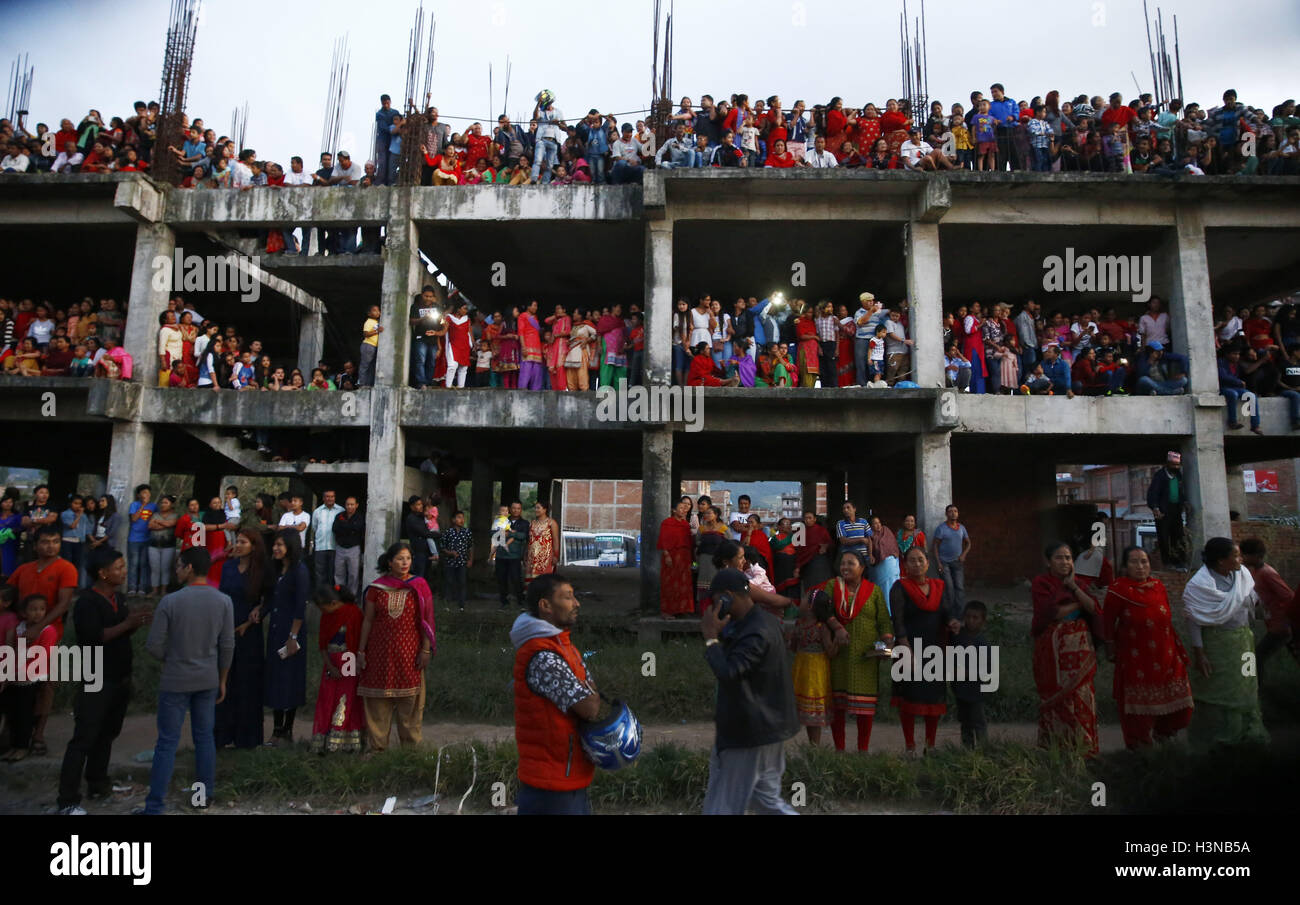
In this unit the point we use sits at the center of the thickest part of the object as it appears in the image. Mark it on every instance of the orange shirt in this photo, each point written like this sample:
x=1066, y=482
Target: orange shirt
x=29, y=579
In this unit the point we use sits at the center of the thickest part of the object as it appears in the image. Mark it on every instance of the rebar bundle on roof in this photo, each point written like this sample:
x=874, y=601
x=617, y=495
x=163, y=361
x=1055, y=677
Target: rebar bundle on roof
x=915, y=59
x=336, y=95
x=239, y=125
x=1166, y=68
x=419, y=74
x=661, y=75
x=178, y=57
x=20, y=88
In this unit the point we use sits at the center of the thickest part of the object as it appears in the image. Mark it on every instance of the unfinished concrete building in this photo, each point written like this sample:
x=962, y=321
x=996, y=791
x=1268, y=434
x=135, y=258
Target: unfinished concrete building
x=939, y=240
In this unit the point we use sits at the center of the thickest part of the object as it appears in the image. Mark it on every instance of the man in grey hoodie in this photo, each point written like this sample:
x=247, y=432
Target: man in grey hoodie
x=553, y=693
x=193, y=634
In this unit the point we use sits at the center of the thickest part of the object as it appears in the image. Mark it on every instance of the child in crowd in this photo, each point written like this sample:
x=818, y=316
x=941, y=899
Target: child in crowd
x=957, y=368
x=176, y=377
x=702, y=150
x=233, y=512
x=1037, y=384
x=483, y=364
x=339, y=719
x=876, y=345
x=961, y=138
x=1041, y=144
x=986, y=141
x=21, y=697
x=970, y=700
x=742, y=366
x=431, y=522
x=814, y=643
x=500, y=528
x=81, y=365
x=1115, y=148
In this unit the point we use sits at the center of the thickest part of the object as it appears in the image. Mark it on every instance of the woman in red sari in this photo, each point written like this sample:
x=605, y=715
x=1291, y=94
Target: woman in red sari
x=189, y=333
x=837, y=123
x=505, y=356
x=397, y=640
x=1065, y=661
x=868, y=128
x=543, y=551
x=561, y=326
x=1152, y=691
x=845, y=370
x=753, y=535
x=894, y=125
x=810, y=350
x=676, y=590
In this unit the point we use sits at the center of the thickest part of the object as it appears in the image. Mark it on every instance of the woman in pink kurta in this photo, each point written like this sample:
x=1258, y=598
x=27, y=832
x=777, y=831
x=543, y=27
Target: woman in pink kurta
x=531, y=368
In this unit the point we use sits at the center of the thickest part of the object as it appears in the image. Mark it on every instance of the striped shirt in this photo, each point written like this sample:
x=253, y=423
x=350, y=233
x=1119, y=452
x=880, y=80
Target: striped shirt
x=852, y=535
x=828, y=328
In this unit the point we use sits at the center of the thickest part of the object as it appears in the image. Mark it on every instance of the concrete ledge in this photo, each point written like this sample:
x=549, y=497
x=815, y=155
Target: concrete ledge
x=140, y=199
x=525, y=202
x=251, y=408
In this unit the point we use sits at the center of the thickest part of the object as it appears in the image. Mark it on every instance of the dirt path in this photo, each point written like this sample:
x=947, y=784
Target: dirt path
x=29, y=787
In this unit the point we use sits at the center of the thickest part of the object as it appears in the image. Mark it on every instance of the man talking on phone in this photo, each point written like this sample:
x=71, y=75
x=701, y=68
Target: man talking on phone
x=755, y=702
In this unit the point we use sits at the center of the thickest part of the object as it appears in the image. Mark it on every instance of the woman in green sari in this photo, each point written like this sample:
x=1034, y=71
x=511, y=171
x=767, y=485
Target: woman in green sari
x=1217, y=603
x=855, y=673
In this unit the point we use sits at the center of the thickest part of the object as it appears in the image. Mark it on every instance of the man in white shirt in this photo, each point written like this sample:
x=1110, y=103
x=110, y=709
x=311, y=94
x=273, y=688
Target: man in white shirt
x=739, y=518
x=322, y=529
x=241, y=173
x=549, y=135
x=679, y=151
x=345, y=171
x=296, y=176
x=68, y=158
x=627, y=159
x=297, y=519
x=820, y=158
x=16, y=160
x=918, y=154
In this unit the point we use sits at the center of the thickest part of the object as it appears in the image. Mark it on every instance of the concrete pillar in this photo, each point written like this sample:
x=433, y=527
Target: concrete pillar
x=1191, y=317
x=834, y=498
x=1237, y=497
x=658, y=306
x=311, y=341
x=1206, y=477
x=808, y=490
x=482, y=509
x=925, y=297
x=385, y=475
x=509, y=477
x=658, y=496
x=404, y=274
x=933, y=479
x=140, y=336
x=129, y=462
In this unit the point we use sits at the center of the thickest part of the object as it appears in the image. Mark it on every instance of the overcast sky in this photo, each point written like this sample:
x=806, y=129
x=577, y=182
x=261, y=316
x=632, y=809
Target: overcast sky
x=108, y=54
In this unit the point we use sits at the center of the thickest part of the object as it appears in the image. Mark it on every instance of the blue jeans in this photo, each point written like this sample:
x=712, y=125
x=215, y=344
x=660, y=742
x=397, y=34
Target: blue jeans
x=455, y=585
x=382, y=158
x=597, y=164
x=544, y=801
x=291, y=242
x=1028, y=359
x=1293, y=400
x=954, y=586
x=172, y=705
x=1234, y=396
x=426, y=356
x=1041, y=160
x=548, y=154
x=683, y=160
x=625, y=172
x=137, y=567
x=861, y=359
x=1148, y=387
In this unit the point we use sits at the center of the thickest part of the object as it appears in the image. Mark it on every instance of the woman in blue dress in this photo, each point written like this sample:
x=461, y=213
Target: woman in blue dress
x=11, y=523
x=244, y=578
x=286, y=676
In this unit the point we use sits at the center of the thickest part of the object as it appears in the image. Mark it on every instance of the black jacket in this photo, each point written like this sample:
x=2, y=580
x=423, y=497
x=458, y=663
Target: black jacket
x=755, y=691
x=1158, y=492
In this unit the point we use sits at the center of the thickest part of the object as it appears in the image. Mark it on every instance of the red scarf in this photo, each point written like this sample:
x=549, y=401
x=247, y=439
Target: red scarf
x=928, y=603
x=847, y=610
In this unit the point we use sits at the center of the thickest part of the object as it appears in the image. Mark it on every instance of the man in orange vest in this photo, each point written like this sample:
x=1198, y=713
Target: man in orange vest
x=553, y=691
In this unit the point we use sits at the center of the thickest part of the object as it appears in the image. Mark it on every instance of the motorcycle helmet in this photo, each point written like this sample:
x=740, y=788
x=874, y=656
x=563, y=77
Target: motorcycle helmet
x=546, y=97
x=614, y=742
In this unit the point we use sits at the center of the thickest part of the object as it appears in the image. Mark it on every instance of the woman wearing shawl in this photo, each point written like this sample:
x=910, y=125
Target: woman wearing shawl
x=1065, y=661
x=810, y=350
x=397, y=641
x=1151, y=688
x=894, y=125
x=908, y=536
x=972, y=346
x=885, y=557
x=855, y=675
x=286, y=675
x=578, y=358
x=812, y=563
x=753, y=535
x=189, y=336
x=338, y=722
x=543, y=552
x=561, y=326
x=920, y=614
x=676, y=596
x=214, y=538
x=845, y=368
x=532, y=371
x=1217, y=603
x=244, y=581
x=613, y=366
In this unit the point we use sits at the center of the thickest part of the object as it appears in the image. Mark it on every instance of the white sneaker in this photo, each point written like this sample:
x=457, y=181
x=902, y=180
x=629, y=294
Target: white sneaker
x=74, y=810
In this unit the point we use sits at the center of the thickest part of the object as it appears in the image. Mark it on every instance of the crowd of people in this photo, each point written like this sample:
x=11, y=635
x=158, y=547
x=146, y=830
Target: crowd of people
x=994, y=132
x=83, y=339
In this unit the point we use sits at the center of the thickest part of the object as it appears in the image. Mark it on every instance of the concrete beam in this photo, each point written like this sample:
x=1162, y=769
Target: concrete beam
x=925, y=298
x=116, y=399
x=250, y=264
x=935, y=200
x=1114, y=415
x=1063, y=209
x=154, y=242
x=253, y=463
x=41, y=398
x=248, y=408
x=403, y=276
x=265, y=207
x=526, y=202
x=141, y=200
x=76, y=212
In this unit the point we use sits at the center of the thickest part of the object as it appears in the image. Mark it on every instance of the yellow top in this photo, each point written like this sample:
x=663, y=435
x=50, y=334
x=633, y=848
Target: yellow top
x=370, y=326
